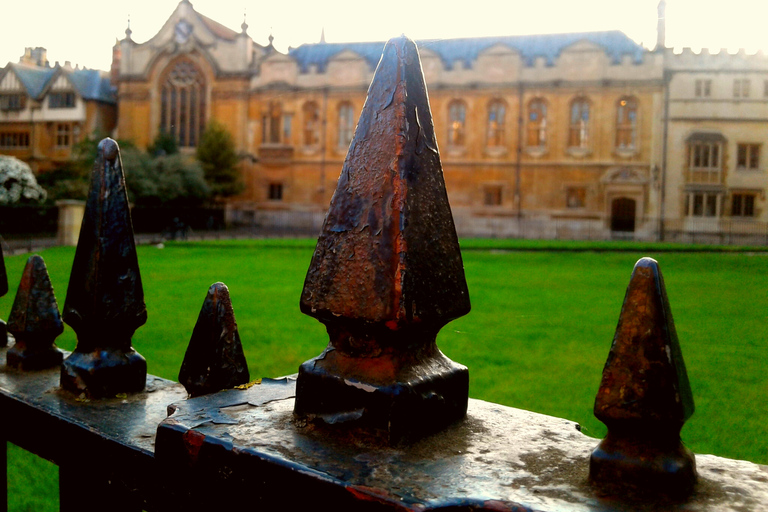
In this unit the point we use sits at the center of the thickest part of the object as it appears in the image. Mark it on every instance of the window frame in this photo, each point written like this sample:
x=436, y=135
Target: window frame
x=703, y=88
x=183, y=91
x=495, y=129
x=312, y=124
x=536, y=130
x=751, y=156
x=579, y=135
x=61, y=99
x=345, y=125
x=744, y=208
x=64, y=136
x=627, y=109
x=457, y=124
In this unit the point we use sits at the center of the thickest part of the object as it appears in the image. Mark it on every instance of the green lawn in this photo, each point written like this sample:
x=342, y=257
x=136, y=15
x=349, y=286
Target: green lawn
x=540, y=328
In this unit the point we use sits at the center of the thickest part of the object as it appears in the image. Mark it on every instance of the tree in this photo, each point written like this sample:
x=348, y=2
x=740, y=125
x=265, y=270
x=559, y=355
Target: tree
x=174, y=180
x=216, y=153
x=72, y=179
x=164, y=144
x=18, y=183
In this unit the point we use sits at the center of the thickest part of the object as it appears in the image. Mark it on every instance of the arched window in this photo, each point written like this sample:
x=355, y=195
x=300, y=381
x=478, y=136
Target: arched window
x=182, y=103
x=537, y=124
x=276, y=125
x=346, y=124
x=457, y=123
x=496, y=125
x=578, y=129
x=311, y=124
x=626, y=123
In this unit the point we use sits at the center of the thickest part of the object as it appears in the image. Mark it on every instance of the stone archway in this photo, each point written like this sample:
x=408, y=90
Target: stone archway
x=623, y=214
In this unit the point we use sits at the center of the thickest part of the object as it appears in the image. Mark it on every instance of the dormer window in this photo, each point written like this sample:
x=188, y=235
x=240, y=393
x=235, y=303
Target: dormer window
x=12, y=102
x=61, y=99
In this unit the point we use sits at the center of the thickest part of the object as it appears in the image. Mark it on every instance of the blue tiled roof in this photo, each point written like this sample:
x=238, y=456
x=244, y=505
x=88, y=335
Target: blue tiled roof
x=33, y=79
x=91, y=85
x=465, y=50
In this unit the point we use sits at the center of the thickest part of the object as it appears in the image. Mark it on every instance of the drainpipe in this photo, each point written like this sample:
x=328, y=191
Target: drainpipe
x=518, y=164
x=665, y=133
x=322, y=143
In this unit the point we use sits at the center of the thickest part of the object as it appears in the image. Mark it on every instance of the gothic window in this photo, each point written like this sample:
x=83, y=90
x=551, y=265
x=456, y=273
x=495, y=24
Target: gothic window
x=311, y=124
x=496, y=114
x=457, y=123
x=182, y=103
x=578, y=129
x=537, y=124
x=346, y=124
x=626, y=123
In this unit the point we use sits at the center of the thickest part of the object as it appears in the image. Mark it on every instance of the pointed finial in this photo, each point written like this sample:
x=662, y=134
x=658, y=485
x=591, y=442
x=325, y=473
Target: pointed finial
x=244, y=26
x=644, y=397
x=271, y=38
x=214, y=359
x=35, y=321
x=322, y=35
x=387, y=273
x=128, y=30
x=3, y=291
x=105, y=298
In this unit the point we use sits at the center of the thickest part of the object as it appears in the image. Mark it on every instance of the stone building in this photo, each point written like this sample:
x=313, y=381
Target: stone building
x=45, y=110
x=717, y=125
x=556, y=134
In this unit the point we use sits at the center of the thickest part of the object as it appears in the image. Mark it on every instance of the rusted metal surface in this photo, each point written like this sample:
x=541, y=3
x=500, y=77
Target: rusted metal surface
x=3, y=291
x=240, y=445
x=35, y=321
x=645, y=397
x=105, y=298
x=114, y=438
x=214, y=359
x=387, y=273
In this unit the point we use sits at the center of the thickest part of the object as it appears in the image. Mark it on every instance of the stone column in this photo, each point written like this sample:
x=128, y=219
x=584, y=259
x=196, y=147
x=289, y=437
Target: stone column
x=70, y=218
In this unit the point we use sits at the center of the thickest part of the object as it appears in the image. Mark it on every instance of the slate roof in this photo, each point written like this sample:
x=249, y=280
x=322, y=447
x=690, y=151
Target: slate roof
x=90, y=84
x=465, y=50
x=34, y=79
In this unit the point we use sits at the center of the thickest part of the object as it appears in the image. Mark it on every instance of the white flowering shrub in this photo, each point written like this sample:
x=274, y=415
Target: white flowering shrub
x=18, y=183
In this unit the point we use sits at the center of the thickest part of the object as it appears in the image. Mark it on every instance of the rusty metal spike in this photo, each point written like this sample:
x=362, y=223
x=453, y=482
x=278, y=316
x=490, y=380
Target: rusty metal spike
x=3, y=291
x=387, y=272
x=35, y=321
x=214, y=359
x=644, y=397
x=105, y=298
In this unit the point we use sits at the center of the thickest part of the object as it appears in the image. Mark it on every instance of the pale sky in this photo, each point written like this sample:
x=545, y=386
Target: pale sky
x=84, y=31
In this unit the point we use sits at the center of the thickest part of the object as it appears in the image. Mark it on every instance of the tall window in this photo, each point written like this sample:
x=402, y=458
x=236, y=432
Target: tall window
x=537, y=123
x=741, y=88
x=703, y=204
x=457, y=123
x=626, y=124
x=704, y=162
x=346, y=124
x=61, y=100
x=578, y=129
x=182, y=103
x=703, y=88
x=311, y=124
x=63, y=135
x=276, y=125
x=748, y=156
x=743, y=205
x=496, y=116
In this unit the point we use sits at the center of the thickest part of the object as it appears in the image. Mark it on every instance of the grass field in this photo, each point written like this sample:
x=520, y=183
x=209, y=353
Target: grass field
x=538, y=335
